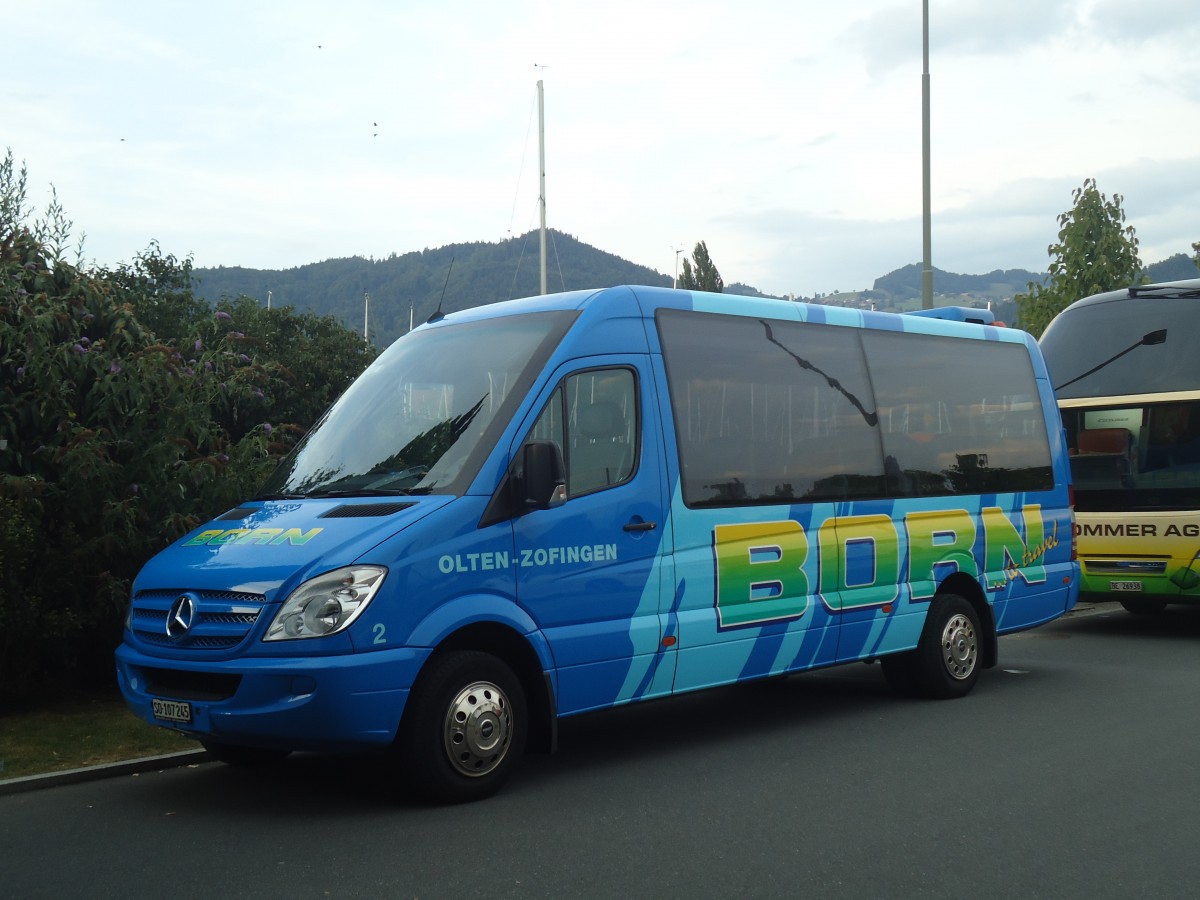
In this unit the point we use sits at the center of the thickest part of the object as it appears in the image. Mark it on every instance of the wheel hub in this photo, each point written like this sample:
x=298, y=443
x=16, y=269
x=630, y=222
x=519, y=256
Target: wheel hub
x=478, y=729
x=960, y=647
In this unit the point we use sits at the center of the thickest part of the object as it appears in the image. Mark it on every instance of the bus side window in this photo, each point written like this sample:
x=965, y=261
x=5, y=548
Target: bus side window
x=601, y=429
x=1105, y=458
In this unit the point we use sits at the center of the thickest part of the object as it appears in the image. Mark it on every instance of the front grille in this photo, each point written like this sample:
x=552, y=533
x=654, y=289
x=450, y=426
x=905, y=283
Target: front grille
x=1125, y=567
x=218, y=620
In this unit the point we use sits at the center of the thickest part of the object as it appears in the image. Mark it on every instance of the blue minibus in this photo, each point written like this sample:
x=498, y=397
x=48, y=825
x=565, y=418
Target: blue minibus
x=549, y=506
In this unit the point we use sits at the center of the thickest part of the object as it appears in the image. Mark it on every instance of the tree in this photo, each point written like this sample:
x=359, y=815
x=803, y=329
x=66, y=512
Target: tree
x=1096, y=251
x=701, y=274
x=1196, y=252
x=130, y=413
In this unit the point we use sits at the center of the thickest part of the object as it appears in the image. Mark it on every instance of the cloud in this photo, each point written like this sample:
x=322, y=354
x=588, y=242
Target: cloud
x=892, y=37
x=1121, y=22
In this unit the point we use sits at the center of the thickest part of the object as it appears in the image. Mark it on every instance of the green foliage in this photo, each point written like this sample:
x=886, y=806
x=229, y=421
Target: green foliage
x=130, y=413
x=1196, y=254
x=1095, y=252
x=701, y=274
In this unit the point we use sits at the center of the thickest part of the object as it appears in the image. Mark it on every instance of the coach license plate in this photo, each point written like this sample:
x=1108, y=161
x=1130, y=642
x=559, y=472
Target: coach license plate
x=1125, y=586
x=172, y=710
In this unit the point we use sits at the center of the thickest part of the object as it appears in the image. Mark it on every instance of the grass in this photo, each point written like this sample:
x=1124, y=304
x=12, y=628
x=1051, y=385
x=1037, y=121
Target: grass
x=79, y=730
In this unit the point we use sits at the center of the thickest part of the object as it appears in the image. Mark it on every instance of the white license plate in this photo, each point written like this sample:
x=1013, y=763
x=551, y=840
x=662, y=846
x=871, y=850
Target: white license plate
x=172, y=710
x=1125, y=586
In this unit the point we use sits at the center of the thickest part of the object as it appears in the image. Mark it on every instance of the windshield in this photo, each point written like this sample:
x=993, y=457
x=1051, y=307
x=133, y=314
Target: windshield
x=424, y=415
x=1135, y=457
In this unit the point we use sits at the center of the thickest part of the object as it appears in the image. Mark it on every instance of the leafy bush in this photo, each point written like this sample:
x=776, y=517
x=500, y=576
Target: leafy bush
x=130, y=413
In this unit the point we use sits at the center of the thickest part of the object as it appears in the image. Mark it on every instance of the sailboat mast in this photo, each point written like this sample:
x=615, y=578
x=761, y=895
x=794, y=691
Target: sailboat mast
x=542, y=179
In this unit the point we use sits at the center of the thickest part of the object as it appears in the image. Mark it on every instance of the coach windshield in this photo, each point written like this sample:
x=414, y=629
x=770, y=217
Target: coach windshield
x=424, y=415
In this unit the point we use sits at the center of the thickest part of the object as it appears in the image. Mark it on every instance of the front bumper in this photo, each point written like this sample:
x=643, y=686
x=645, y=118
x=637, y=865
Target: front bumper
x=322, y=703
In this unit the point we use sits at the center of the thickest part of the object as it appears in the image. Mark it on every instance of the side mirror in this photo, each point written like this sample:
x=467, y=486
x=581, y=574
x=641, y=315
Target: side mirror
x=544, y=476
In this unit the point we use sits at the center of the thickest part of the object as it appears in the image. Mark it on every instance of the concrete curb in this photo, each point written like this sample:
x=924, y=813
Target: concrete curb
x=91, y=773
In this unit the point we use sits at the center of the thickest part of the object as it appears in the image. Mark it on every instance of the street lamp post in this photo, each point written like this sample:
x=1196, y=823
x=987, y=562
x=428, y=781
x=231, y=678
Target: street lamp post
x=926, y=206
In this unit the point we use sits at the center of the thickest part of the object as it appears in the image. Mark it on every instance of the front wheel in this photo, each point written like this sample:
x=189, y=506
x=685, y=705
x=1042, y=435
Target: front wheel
x=1144, y=607
x=464, y=729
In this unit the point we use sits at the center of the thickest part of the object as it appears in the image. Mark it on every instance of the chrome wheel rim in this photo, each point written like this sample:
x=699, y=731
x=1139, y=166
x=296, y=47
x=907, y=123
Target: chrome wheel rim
x=478, y=729
x=960, y=647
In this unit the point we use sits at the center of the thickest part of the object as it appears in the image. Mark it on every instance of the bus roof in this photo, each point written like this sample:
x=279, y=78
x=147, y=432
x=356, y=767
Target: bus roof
x=1172, y=290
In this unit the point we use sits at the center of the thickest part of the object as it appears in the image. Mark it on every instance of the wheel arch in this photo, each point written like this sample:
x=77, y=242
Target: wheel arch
x=969, y=589
x=516, y=651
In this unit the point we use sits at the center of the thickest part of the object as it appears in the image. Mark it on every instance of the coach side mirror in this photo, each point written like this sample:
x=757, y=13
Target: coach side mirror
x=544, y=479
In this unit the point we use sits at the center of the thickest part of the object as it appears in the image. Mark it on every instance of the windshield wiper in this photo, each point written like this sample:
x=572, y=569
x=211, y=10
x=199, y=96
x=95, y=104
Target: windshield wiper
x=279, y=497
x=1164, y=290
x=359, y=492
x=1149, y=339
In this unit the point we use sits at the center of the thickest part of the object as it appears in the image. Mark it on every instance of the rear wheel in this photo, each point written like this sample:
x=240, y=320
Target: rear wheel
x=1144, y=607
x=464, y=729
x=946, y=660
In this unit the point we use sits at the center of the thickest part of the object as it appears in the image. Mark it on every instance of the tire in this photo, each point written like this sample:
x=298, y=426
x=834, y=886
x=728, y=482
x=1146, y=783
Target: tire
x=464, y=729
x=946, y=662
x=243, y=757
x=1144, y=607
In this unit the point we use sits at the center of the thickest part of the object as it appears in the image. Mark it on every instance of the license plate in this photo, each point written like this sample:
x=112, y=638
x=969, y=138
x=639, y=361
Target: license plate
x=1125, y=586
x=172, y=710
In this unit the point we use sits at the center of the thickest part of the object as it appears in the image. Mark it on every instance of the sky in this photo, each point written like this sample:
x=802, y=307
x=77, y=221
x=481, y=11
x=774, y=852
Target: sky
x=785, y=134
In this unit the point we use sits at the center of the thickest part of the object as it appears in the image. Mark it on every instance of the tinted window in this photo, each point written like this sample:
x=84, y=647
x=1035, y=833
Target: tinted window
x=774, y=412
x=769, y=411
x=957, y=416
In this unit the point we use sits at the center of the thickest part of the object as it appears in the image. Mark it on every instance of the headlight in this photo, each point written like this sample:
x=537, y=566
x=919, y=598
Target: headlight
x=326, y=604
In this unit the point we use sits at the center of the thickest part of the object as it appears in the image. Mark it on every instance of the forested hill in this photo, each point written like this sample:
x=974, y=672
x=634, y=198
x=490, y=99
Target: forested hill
x=470, y=275
x=480, y=273
x=1001, y=284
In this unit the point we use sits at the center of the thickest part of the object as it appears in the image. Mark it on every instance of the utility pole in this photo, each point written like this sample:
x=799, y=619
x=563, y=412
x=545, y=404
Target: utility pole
x=366, y=314
x=542, y=170
x=926, y=206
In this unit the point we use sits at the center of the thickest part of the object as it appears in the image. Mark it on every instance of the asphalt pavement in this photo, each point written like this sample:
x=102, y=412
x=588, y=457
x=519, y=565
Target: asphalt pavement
x=194, y=757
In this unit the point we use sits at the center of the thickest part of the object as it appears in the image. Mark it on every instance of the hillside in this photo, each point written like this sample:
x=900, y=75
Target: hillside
x=414, y=284
x=463, y=275
x=1002, y=284
x=1174, y=268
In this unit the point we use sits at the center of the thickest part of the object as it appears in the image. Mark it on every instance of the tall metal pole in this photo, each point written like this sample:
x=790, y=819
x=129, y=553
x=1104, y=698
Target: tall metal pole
x=542, y=180
x=366, y=313
x=926, y=214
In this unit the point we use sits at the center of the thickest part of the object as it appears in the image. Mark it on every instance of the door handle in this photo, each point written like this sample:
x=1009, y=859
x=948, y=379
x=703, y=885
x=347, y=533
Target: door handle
x=640, y=526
